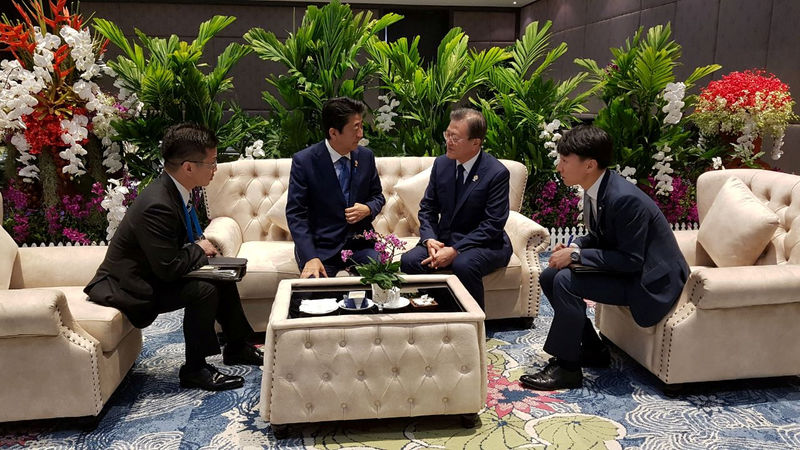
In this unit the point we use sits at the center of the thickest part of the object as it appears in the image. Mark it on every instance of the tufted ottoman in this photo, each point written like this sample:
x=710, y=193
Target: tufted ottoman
x=345, y=367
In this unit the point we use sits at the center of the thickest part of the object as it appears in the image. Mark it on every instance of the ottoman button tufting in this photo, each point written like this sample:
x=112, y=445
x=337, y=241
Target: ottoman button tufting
x=342, y=343
x=308, y=344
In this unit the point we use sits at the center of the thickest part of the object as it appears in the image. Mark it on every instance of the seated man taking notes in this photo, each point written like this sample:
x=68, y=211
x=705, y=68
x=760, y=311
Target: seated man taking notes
x=334, y=193
x=157, y=243
x=464, y=209
x=630, y=256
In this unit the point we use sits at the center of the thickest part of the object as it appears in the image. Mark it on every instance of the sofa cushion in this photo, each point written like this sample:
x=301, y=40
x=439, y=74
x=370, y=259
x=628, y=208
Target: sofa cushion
x=737, y=227
x=107, y=325
x=411, y=190
x=268, y=263
x=277, y=213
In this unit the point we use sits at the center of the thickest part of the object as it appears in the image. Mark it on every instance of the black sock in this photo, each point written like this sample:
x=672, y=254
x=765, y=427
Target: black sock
x=569, y=365
x=589, y=338
x=195, y=364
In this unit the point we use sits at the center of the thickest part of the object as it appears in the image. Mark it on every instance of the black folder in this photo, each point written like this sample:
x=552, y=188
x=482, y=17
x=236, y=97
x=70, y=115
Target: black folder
x=221, y=268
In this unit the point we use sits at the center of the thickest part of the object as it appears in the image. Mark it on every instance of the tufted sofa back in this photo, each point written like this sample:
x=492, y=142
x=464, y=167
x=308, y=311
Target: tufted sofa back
x=245, y=190
x=778, y=191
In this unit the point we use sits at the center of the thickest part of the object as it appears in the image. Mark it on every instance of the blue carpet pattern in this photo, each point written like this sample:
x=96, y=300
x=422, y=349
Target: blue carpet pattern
x=618, y=407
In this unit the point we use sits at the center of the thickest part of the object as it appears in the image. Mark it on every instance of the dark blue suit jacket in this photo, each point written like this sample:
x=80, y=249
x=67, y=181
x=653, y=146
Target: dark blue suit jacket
x=315, y=204
x=478, y=218
x=634, y=237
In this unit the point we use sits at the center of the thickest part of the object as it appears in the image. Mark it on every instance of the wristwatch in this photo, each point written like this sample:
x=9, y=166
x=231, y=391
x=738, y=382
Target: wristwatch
x=575, y=256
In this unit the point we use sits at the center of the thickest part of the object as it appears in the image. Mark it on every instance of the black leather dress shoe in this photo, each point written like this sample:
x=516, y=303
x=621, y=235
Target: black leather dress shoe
x=209, y=379
x=245, y=354
x=552, y=378
x=595, y=358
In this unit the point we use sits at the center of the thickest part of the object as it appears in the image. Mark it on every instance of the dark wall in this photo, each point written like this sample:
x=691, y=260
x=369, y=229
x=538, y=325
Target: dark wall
x=737, y=34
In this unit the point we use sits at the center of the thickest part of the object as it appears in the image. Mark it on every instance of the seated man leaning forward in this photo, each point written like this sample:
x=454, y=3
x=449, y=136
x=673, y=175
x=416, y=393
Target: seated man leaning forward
x=629, y=241
x=334, y=193
x=158, y=242
x=464, y=209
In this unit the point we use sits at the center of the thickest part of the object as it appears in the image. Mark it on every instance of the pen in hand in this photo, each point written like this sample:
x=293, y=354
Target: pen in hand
x=569, y=242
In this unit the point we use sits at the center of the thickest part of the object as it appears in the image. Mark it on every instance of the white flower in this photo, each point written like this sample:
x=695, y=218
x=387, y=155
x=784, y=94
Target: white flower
x=628, y=173
x=384, y=120
x=663, y=171
x=673, y=93
x=129, y=148
x=73, y=132
x=29, y=170
x=255, y=150
x=113, y=202
x=717, y=161
x=112, y=159
x=363, y=142
x=777, y=145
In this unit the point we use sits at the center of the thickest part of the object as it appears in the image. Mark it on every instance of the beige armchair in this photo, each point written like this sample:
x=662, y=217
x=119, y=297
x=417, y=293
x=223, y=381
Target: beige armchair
x=60, y=355
x=246, y=204
x=730, y=322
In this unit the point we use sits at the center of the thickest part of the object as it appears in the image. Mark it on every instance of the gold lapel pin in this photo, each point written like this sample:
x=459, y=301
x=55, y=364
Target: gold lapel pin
x=475, y=178
x=355, y=163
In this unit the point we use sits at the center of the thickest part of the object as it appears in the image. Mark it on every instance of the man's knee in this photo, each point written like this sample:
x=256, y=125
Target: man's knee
x=464, y=267
x=410, y=261
x=547, y=276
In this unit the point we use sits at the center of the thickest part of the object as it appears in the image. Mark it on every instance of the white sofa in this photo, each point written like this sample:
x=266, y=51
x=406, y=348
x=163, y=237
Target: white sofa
x=60, y=355
x=729, y=322
x=240, y=202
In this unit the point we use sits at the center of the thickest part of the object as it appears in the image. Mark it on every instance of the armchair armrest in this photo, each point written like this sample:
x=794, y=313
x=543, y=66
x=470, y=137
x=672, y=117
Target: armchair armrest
x=526, y=235
x=736, y=287
x=225, y=234
x=33, y=312
x=692, y=250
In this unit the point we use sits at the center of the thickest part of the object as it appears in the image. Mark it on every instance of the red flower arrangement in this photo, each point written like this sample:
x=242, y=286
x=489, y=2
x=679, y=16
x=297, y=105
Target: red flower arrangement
x=748, y=104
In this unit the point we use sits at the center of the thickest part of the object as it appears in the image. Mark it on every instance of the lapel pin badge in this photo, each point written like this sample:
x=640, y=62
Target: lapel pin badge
x=355, y=163
x=475, y=178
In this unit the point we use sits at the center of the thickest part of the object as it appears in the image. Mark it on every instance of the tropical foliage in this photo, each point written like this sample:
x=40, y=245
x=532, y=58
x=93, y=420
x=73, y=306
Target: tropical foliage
x=324, y=58
x=522, y=104
x=426, y=94
x=643, y=108
x=165, y=76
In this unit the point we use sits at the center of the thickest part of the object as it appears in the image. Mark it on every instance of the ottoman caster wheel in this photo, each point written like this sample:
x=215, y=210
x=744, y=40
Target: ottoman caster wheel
x=470, y=420
x=280, y=431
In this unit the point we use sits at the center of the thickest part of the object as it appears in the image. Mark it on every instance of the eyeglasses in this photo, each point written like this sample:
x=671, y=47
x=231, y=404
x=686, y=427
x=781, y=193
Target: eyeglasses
x=452, y=138
x=212, y=165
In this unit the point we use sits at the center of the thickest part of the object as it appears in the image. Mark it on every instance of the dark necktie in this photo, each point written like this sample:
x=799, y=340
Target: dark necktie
x=344, y=178
x=589, y=221
x=459, y=180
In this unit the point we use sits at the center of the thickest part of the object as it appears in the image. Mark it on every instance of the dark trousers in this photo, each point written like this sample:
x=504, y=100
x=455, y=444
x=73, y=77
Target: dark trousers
x=470, y=266
x=565, y=291
x=360, y=256
x=205, y=302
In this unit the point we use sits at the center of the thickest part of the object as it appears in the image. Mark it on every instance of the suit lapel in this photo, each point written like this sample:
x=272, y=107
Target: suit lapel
x=175, y=197
x=473, y=177
x=354, y=183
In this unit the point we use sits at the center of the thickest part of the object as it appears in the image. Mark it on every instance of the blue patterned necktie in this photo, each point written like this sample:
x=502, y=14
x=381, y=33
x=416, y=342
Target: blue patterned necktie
x=344, y=178
x=460, y=180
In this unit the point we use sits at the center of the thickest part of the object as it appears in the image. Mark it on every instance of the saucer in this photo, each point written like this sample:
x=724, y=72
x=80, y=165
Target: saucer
x=402, y=302
x=317, y=307
x=341, y=304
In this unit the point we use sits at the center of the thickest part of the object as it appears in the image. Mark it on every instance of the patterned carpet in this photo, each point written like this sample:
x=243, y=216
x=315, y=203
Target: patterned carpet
x=618, y=407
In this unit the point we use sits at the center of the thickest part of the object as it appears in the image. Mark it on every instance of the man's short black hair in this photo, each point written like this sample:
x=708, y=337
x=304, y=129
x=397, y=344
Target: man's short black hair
x=186, y=142
x=476, y=123
x=588, y=141
x=336, y=112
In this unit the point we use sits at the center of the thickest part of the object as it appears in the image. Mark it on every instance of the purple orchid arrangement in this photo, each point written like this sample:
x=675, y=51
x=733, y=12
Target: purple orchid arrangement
x=385, y=272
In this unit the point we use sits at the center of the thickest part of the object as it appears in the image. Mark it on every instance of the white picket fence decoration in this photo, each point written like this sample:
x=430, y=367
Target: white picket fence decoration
x=561, y=235
x=557, y=235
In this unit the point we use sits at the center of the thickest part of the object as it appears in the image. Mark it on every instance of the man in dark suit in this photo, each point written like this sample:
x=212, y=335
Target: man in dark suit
x=464, y=209
x=629, y=240
x=158, y=242
x=334, y=193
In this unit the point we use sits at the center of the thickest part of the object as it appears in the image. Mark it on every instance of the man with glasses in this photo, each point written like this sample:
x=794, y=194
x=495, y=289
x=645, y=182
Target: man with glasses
x=158, y=242
x=334, y=193
x=464, y=209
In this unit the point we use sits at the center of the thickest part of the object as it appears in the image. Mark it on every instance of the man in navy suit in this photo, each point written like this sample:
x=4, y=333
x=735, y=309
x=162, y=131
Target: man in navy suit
x=629, y=239
x=464, y=209
x=334, y=193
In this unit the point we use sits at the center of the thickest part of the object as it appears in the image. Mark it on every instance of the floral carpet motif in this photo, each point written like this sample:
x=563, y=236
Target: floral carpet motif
x=618, y=407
